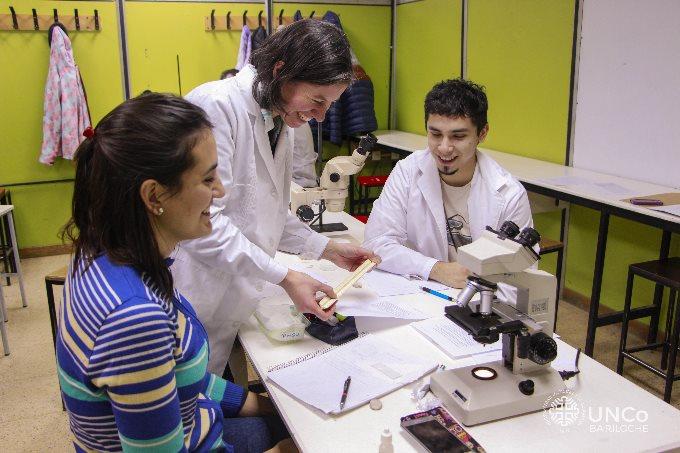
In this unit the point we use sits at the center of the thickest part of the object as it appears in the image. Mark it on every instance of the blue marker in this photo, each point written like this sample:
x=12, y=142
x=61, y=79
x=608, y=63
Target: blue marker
x=437, y=293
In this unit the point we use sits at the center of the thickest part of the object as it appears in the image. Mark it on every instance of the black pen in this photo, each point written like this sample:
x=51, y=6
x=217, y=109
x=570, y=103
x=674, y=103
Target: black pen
x=437, y=293
x=345, y=388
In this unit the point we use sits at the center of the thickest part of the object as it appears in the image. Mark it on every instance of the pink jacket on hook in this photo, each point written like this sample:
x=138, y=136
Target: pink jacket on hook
x=66, y=114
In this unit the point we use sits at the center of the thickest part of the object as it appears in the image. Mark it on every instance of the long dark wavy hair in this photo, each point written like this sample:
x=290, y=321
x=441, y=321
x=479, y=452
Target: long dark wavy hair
x=313, y=51
x=148, y=137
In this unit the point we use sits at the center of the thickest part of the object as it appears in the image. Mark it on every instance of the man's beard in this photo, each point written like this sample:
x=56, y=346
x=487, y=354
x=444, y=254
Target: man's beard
x=448, y=173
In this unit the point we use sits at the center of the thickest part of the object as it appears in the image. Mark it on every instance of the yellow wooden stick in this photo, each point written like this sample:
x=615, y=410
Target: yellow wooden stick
x=366, y=266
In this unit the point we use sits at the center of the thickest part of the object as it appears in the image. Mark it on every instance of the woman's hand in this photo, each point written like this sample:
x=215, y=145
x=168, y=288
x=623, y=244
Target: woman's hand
x=256, y=406
x=285, y=446
x=302, y=289
x=348, y=256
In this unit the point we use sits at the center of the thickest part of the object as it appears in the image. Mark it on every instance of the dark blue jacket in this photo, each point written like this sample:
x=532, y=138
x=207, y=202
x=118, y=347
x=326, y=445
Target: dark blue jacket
x=354, y=112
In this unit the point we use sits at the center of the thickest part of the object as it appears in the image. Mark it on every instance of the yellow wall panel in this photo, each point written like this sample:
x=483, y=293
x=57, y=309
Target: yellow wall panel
x=520, y=50
x=428, y=51
x=40, y=211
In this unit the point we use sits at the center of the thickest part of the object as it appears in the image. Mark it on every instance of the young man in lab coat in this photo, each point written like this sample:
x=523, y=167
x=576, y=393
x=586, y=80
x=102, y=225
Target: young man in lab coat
x=443, y=197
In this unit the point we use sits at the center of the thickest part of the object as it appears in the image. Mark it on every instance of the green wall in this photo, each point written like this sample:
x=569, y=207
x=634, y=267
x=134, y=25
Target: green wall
x=42, y=209
x=521, y=51
x=428, y=50
x=157, y=32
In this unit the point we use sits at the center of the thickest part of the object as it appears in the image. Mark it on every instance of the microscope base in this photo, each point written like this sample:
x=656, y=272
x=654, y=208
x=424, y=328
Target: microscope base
x=472, y=401
x=328, y=227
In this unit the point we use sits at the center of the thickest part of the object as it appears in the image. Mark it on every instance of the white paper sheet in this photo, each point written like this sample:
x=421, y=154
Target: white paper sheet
x=606, y=189
x=386, y=284
x=363, y=302
x=451, y=338
x=376, y=367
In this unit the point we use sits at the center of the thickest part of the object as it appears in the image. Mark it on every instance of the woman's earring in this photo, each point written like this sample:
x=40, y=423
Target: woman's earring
x=160, y=211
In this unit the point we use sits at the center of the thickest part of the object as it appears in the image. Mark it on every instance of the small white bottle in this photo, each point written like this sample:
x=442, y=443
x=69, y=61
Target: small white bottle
x=386, y=442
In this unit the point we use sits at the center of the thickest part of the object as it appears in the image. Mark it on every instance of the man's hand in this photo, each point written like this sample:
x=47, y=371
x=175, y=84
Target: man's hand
x=450, y=274
x=348, y=256
x=302, y=289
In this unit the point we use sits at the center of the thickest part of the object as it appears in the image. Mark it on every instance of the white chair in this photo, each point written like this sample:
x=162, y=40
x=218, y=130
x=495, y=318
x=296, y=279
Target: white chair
x=6, y=211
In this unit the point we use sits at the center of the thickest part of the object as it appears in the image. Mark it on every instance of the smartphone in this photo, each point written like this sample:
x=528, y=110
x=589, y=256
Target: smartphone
x=434, y=436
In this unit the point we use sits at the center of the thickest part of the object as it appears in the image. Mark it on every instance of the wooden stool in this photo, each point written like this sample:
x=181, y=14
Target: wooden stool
x=666, y=273
x=6, y=251
x=546, y=246
x=55, y=278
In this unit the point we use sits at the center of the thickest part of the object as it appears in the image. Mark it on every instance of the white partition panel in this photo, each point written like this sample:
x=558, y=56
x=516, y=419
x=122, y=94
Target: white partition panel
x=628, y=100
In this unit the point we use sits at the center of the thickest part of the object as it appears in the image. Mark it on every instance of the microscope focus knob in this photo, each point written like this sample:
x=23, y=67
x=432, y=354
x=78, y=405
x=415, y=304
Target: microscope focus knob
x=529, y=237
x=334, y=177
x=526, y=387
x=509, y=229
x=305, y=213
x=542, y=349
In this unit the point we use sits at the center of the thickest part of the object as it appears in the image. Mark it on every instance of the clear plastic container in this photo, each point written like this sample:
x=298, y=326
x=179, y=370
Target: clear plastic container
x=281, y=322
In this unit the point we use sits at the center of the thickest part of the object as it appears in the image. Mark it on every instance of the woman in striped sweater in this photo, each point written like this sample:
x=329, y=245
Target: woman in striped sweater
x=131, y=353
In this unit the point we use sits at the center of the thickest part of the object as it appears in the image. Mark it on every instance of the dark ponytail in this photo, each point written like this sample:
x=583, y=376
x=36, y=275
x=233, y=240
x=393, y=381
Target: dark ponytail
x=148, y=137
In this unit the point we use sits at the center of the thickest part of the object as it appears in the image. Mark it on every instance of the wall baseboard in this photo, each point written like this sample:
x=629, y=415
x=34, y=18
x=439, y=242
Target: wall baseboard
x=582, y=301
x=48, y=250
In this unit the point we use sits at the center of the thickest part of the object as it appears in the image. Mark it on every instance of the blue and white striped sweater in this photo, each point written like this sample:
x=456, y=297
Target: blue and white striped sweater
x=132, y=366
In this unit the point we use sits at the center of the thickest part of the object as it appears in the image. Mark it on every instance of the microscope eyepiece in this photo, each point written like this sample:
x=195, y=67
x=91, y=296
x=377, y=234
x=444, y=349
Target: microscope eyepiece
x=367, y=143
x=509, y=229
x=529, y=237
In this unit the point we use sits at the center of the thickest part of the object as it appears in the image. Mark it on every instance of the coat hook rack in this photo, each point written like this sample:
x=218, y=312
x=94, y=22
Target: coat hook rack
x=219, y=22
x=42, y=22
x=15, y=24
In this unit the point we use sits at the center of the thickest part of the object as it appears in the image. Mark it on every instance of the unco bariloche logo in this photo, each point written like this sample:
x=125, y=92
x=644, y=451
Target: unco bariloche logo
x=564, y=409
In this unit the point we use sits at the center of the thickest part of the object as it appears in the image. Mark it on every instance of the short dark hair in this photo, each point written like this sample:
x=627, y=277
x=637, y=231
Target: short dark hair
x=456, y=98
x=147, y=137
x=313, y=51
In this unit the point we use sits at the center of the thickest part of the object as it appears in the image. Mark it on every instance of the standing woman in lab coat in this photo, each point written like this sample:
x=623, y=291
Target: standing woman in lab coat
x=295, y=76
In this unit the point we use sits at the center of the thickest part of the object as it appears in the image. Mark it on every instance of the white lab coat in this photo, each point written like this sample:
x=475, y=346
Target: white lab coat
x=304, y=157
x=407, y=225
x=223, y=274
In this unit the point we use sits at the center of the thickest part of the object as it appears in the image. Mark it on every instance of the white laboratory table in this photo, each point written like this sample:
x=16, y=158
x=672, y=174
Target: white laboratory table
x=534, y=173
x=359, y=430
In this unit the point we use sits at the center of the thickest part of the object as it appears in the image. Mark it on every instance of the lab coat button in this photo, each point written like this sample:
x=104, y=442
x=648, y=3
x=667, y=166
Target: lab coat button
x=236, y=324
x=273, y=193
x=259, y=286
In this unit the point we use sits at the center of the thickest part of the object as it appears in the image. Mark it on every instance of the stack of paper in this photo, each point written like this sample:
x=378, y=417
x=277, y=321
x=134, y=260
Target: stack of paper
x=386, y=284
x=376, y=367
x=451, y=338
x=364, y=302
